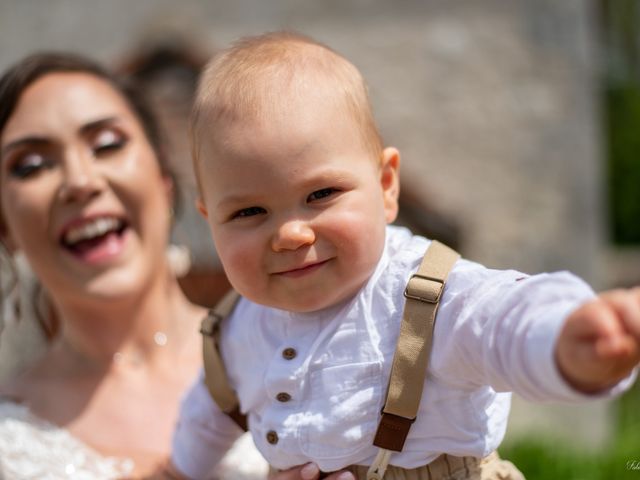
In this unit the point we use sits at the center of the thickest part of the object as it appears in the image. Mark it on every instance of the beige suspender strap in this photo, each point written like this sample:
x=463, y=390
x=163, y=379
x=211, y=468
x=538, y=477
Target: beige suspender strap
x=409, y=366
x=215, y=375
x=411, y=358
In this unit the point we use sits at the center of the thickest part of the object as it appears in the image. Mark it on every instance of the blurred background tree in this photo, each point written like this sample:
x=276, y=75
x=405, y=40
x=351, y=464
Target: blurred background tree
x=620, y=21
x=620, y=67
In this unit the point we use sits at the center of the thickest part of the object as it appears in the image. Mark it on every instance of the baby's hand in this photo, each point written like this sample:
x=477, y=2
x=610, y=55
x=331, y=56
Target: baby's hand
x=600, y=342
x=310, y=471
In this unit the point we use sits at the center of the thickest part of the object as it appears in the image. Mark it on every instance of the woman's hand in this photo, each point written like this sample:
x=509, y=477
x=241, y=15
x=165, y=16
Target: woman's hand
x=309, y=471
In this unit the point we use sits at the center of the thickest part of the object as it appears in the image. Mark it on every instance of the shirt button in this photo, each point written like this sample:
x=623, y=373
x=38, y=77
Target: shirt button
x=283, y=397
x=272, y=437
x=289, y=353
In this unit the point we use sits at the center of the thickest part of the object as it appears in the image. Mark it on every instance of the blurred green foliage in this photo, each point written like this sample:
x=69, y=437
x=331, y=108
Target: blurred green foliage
x=623, y=135
x=540, y=459
x=620, y=25
x=543, y=459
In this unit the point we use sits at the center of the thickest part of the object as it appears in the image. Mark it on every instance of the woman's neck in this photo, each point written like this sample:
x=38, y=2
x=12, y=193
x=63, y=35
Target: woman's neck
x=126, y=333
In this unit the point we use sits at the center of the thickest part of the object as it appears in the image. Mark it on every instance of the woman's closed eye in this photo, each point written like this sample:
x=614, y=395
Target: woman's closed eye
x=249, y=212
x=107, y=140
x=29, y=164
x=321, y=194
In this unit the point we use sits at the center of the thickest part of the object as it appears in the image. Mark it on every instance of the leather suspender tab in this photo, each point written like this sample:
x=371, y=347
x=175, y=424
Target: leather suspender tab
x=392, y=431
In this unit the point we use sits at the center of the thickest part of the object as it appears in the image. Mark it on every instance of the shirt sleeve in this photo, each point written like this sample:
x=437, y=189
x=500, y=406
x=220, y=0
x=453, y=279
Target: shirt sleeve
x=501, y=329
x=203, y=433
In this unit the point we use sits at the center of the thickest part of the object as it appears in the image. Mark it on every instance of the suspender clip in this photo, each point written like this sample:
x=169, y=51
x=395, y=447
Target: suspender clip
x=379, y=465
x=424, y=289
x=210, y=324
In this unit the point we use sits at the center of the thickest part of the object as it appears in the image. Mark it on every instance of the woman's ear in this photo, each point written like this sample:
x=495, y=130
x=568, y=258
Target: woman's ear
x=202, y=208
x=390, y=182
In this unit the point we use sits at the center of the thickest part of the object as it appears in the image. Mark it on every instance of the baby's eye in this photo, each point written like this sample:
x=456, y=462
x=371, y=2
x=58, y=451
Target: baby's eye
x=249, y=212
x=29, y=164
x=106, y=141
x=320, y=194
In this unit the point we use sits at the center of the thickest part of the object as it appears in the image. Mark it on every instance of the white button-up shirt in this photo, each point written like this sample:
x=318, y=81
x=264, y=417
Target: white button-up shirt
x=495, y=333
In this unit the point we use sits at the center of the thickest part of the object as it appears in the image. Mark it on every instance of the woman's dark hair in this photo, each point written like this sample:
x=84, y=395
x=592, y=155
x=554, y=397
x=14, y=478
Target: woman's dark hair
x=28, y=70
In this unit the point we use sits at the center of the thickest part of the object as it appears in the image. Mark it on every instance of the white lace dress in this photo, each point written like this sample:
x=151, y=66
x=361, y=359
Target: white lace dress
x=32, y=448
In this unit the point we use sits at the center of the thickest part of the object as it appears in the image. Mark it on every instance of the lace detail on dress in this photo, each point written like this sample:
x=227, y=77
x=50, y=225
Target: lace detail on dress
x=32, y=448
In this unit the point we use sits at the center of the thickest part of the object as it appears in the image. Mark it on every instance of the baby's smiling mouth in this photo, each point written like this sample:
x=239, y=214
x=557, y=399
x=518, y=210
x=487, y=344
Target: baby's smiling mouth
x=303, y=270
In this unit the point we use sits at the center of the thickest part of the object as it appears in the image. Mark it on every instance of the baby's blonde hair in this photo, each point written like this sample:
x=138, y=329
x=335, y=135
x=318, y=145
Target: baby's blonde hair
x=256, y=73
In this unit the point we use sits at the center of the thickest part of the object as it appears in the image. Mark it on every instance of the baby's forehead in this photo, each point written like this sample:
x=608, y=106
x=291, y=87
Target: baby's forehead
x=279, y=89
x=277, y=107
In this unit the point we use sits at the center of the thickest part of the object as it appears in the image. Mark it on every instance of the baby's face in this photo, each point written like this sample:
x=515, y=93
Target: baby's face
x=297, y=205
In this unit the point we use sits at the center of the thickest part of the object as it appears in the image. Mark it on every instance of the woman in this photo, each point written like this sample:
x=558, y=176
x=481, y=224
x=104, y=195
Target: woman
x=86, y=197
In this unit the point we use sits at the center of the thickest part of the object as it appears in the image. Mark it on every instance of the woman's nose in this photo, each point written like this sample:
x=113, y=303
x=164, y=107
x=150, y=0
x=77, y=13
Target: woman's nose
x=292, y=235
x=81, y=179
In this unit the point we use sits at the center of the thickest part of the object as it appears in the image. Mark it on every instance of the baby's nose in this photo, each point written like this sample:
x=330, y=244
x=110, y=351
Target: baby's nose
x=292, y=235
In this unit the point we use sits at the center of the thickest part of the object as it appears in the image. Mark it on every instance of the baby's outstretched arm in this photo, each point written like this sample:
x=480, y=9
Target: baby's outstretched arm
x=599, y=343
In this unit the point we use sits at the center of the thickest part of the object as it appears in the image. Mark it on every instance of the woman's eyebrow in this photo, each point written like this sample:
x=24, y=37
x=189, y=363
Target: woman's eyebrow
x=36, y=140
x=24, y=141
x=90, y=126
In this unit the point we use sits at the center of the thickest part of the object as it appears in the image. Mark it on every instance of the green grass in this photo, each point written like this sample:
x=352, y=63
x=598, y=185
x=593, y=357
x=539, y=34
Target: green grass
x=539, y=459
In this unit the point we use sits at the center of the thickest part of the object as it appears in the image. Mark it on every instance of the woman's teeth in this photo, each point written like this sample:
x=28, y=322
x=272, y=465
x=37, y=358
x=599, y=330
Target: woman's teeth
x=91, y=230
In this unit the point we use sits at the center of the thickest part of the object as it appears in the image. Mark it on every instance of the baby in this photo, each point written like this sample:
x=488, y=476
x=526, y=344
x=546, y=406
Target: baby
x=299, y=193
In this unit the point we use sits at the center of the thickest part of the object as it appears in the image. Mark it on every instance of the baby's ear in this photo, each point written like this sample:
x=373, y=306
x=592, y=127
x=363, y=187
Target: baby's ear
x=390, y=181
x=202, y=208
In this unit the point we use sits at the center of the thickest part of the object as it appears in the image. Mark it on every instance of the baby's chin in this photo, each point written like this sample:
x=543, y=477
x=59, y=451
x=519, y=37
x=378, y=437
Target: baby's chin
x=307, y=304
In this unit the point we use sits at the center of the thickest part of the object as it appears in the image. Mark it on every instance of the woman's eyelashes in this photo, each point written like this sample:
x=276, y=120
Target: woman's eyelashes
x=106, y=141
x=28, y=164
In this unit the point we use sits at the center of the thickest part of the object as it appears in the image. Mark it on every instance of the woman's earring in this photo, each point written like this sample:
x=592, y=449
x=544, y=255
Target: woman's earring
x=179, y=258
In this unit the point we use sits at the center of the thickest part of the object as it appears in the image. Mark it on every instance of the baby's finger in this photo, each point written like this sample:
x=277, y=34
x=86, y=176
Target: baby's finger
x=626, y=304
x=623, y=345
x=633, y=322
x=341, y=476
x=310, y=471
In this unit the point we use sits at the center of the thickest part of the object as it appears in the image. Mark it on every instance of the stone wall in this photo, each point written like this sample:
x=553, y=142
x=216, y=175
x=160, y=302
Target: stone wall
x=491, y=103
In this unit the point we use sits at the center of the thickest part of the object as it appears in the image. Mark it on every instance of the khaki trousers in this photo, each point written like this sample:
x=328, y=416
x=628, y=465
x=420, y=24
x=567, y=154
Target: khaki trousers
x=448, y=467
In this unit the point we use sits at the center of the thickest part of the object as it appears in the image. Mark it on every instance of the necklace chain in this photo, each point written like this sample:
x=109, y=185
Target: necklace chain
x=159, y=338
